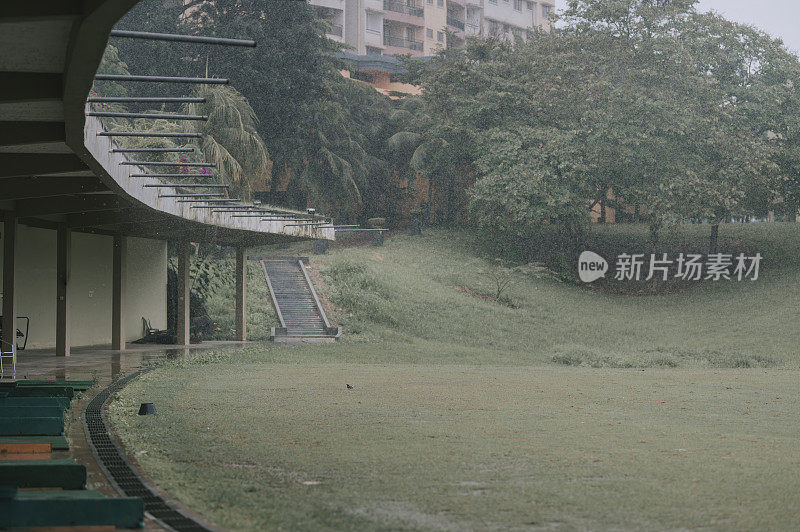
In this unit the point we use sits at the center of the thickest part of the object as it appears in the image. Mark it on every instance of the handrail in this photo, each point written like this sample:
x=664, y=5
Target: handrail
x=272, y=295
x=401, y=42
x=314, y=293
x=406, y=8
x=453, y=21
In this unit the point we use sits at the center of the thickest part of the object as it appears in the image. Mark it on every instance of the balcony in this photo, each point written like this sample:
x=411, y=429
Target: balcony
x=401, y=42
x=335, y=29
x=406, y=8
x=454, y=22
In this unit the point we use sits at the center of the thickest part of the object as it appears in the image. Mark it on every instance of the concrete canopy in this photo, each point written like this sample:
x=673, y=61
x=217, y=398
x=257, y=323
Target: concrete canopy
x=54, y=168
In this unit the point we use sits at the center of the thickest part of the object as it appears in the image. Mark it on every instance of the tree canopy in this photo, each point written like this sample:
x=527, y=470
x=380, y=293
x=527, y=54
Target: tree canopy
x=689, y=115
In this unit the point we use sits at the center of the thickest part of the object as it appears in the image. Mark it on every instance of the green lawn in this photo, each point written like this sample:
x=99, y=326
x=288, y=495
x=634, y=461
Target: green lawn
x=576, y=410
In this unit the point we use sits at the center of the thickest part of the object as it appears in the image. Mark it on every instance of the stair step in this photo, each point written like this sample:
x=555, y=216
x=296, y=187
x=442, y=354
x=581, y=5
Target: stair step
x=295, y=300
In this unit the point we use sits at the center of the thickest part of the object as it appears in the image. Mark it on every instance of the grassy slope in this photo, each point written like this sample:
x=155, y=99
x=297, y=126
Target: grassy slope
x=461, y=420
x=408, y=289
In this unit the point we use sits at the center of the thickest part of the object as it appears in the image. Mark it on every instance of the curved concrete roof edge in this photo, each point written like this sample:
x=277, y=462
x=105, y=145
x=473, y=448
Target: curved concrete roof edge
x=86, y=47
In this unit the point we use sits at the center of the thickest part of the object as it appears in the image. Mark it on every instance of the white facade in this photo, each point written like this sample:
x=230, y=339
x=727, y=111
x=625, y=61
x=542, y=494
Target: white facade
x=420, y=27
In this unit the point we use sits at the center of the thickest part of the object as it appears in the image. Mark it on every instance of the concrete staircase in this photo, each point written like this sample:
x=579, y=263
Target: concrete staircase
x=293, y=296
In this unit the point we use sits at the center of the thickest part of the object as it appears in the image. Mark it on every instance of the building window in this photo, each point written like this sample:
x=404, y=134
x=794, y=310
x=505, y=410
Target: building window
x=530, y=6
x=430, y=2
x=440, y=36
x=518, y=5
x=371, y=50
x=546, y=9
x=429, y=33
x=493, y=2
x=374, y=22
x=440, y=3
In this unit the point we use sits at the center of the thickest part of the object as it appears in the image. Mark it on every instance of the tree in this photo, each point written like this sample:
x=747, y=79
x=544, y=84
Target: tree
x=642, y=99
x=324, y=134
x=758, y=80
x=423, y=147
x=230, y=139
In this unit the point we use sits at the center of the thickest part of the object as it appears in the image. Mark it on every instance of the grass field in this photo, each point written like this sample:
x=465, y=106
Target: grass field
x=576, y=410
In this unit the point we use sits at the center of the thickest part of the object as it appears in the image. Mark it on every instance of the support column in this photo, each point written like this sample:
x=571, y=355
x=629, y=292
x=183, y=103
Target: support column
x=63, y=245
x=183, y=321
x=9, y=337
x=118, y=293
x=241, y=294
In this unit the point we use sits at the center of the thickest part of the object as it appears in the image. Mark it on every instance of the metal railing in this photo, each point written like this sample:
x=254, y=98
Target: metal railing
x=408, y=8
x=401, y=42
x=454, y=22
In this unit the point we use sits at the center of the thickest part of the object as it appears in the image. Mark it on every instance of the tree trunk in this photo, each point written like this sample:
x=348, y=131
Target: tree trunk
x=577, y=237
x=654, y=230
x=713, y=244
x=429, y=208
x=451, y=193
x=602, y=218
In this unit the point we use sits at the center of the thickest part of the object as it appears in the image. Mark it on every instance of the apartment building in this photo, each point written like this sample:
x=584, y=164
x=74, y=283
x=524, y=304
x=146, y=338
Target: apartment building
x=421, y=27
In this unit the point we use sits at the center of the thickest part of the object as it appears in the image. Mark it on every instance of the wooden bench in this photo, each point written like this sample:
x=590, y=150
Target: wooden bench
x=31, y=426
x=82, y=508
x=57, y=443
x=37, y=391
x=64, y=474
x=31, y=411
x=61, y=402
x=75, y=385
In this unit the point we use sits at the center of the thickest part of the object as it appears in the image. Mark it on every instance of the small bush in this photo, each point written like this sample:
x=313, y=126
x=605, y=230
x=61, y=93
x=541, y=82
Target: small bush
x=661, y=357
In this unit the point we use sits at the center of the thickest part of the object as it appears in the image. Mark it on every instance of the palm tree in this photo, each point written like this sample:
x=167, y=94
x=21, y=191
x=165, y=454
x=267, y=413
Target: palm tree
x=230, y=139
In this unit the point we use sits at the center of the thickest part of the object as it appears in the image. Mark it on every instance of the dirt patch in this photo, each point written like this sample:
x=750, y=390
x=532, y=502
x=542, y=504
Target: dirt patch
x=502, y=301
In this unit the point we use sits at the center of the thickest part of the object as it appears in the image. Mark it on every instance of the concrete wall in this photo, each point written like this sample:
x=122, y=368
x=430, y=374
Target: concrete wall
x=89, y=290
x=145, y=286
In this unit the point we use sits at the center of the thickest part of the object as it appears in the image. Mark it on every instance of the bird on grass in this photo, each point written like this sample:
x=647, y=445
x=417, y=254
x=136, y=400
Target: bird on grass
x=349, y=386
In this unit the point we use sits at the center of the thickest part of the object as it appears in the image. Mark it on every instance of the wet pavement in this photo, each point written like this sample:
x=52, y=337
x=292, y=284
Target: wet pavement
x=103, y=366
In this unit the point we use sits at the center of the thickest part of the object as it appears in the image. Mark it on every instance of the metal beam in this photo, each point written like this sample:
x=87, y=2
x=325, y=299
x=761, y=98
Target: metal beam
x=168, y=175
x=228, y=200
x=186, y=185
x=160, y=79
x=151, y=150
x=144, y=99
x=155, y=116
x=16, y=133
x=30, y=86
x=158, y=163
x=141, y=134
x=29, y=164
x=182, y=38
x=17, y=188
x=198, y=195
x=69, y=204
